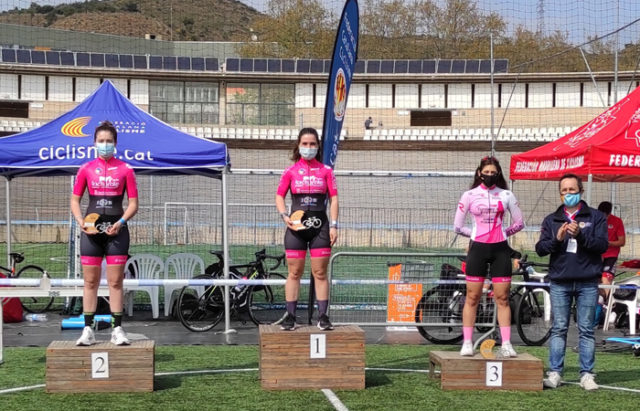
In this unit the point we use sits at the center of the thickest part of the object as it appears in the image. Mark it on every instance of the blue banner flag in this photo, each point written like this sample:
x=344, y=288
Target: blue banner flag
x=345, y=53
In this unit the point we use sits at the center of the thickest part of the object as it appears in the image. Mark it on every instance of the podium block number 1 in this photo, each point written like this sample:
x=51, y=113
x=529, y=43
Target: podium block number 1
x=99, y=365
x=318, y=346
x=494, y=374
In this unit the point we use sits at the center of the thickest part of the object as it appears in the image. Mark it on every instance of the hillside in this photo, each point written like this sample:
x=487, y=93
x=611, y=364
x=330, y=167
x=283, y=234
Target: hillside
x=193, y=20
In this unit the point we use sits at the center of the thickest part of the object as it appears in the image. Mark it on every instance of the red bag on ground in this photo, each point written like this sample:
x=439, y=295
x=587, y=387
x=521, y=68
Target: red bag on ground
x=11, y=308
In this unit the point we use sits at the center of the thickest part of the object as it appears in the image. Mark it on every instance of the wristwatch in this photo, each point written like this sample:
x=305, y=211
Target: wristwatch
x=334, y=224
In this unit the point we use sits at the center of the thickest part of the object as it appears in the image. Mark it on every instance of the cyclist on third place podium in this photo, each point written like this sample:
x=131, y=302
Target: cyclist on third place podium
x=487, y=202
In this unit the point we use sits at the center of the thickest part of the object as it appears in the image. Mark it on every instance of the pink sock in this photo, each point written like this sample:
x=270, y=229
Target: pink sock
x=505, y=333
x=467, y=333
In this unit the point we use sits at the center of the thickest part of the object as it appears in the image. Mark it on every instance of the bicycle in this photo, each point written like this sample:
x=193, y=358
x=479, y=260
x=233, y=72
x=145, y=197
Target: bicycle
x=29, y=304
x=441, y=308
x=533, y=309
x=200, y=308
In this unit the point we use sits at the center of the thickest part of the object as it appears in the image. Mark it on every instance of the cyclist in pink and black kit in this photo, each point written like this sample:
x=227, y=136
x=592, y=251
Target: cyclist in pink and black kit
x=106, y=179
x=312, y=184
x=487, y=202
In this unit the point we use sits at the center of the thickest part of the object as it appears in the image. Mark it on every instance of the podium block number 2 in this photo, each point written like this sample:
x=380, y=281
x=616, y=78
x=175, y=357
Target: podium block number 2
x=99, y=365
x=494, y=374
x=318, y=346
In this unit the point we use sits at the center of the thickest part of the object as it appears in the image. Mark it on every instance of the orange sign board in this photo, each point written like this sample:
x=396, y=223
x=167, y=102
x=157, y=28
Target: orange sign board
x=402, y=298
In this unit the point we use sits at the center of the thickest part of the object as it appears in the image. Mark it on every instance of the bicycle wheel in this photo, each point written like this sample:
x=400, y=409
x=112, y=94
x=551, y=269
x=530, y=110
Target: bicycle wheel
x=200, y=308
x=441, y=307
x=533, y=316
x=267, y=304
x=34, y=304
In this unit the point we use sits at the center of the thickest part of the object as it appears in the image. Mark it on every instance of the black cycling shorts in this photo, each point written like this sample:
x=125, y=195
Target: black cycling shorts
x=494, y=258
x=311, y=239
x=101, y=245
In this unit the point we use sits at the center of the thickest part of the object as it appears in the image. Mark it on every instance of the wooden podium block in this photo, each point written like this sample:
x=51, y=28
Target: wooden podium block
x=102, y=367
x=308, y=358
x=523, y=373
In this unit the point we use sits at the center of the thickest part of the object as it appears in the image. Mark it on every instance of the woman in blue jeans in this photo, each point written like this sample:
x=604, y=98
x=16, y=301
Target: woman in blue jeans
x=575, y=236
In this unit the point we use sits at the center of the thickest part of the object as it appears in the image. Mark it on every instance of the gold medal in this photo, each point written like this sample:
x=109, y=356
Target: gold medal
x=89, y=222
x=296, y=219
x=486, y=349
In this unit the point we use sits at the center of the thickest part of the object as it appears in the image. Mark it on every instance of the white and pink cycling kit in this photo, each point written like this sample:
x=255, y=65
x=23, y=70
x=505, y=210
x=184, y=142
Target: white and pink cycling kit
x=487, y=208
x=106, y=182
x=310, y=183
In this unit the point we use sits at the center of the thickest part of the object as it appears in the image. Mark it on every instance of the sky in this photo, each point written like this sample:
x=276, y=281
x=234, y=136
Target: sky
x=579, y=18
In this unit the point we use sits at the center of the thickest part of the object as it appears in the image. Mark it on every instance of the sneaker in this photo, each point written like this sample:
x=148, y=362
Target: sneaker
x=119, y=337
x=288, y=323
x=467, y=349
x=87, y=337
x=588, y=382
x=324, y=323
x=553, y=380
x=506, y=350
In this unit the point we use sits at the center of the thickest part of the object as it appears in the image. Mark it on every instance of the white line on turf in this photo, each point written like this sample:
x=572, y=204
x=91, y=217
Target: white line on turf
x=18, y=389
x=399, y=370
x=607, y=387
x=160, y=374
x=334, y=400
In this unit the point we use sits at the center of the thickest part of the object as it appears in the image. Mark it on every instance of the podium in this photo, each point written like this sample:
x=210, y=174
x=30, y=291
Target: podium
x=102, y=367
x=308, y=358
x=522, y=373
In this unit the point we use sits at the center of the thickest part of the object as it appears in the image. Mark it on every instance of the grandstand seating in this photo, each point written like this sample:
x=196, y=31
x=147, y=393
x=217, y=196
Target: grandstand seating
x=525, y=134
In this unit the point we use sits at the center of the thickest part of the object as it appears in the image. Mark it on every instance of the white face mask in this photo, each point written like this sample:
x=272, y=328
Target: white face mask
x=308, y=153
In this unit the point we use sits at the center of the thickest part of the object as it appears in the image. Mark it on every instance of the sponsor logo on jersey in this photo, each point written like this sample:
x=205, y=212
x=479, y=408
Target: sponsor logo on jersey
x=103, y=203
x=106, y=182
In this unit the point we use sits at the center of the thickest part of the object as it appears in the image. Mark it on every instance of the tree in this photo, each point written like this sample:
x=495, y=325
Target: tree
x=298, y=28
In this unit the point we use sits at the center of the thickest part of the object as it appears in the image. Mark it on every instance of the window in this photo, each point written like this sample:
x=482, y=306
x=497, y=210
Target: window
x=430, y=118
x=178, y=102
x=260, y=104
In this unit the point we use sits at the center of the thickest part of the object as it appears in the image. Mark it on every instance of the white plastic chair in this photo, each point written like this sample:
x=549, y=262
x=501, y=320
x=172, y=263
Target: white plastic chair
x=181, y=266
x=632, y=305
x=145, y=267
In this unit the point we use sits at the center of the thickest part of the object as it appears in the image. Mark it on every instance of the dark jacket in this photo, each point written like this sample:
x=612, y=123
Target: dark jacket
x=586, y=263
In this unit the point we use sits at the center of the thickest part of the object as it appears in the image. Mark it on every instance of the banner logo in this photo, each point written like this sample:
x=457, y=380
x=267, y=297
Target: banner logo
x=633, y=130
x=596, y=125
x=74, y=127
x=340, y=96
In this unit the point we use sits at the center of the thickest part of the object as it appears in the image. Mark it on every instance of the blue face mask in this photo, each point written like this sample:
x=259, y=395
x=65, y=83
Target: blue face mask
x=308, y=153
x=105, y=149
x=571, y=199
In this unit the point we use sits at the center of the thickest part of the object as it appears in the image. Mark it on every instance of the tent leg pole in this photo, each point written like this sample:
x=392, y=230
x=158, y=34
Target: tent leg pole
x=589, y=181
x=225, y=251
x=8, y=220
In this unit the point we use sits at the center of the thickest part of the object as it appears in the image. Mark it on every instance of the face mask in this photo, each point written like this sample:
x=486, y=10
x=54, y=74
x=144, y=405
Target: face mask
x=489, y=180
x=308, y=153
x=105, y=149
x=571, y=199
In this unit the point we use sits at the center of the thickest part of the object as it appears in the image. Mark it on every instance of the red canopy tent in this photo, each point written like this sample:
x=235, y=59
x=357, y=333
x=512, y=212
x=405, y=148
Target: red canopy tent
x=605, y=149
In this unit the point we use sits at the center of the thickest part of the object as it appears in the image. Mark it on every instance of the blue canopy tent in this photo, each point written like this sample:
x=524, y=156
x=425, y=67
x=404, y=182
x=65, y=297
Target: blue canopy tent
x=149, y=145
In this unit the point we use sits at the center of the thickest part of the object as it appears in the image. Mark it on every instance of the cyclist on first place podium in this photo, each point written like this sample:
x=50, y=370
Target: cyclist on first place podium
x=487, y=201
x=106, y=179
x=312, y=184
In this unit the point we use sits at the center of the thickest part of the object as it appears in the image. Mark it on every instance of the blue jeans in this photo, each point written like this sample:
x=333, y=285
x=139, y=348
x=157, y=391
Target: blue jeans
x=586, y=297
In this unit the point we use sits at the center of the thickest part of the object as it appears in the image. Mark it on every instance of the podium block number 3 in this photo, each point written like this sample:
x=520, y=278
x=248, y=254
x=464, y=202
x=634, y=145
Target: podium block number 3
x=494, y=374
x=318, y=346
x=99, y=365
